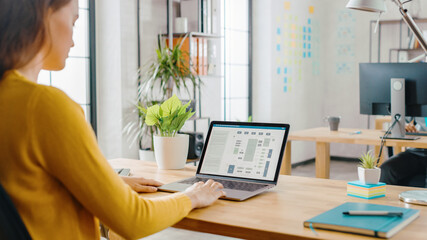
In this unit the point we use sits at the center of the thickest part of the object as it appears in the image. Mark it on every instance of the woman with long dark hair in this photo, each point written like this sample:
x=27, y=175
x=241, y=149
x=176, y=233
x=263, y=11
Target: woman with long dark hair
x=50, y=163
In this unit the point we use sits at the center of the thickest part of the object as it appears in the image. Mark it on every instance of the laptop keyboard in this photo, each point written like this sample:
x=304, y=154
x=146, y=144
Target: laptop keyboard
x=235, y=185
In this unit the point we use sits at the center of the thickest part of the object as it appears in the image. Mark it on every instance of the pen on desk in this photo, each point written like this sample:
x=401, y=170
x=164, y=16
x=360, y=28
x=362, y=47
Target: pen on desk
x=373, y=213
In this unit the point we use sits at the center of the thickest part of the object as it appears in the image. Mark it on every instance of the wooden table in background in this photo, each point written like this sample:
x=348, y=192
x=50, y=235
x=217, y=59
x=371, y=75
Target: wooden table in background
x=324, y=137
x=278, y=213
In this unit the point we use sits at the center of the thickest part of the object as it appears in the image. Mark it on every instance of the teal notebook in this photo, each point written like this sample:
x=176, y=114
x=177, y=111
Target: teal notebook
x=378, y=226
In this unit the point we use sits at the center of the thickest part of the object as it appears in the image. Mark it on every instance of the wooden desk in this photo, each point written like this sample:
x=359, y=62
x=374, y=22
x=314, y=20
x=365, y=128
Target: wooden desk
x=278, y=213
x=324, y=137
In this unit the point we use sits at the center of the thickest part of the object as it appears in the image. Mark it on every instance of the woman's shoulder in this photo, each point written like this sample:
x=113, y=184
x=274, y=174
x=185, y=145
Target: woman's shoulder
x=17, y=81
x=55, y=99
x=20, y=89
x=51, y=106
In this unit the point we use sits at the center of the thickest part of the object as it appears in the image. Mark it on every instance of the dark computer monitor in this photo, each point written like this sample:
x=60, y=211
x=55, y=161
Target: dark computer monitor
x=375, y=87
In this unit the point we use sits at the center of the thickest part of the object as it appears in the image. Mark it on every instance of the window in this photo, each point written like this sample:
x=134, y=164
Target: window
x=236, y=48
x=77, y=78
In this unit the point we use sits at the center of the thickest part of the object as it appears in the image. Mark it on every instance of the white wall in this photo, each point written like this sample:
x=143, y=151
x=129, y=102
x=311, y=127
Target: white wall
x=299, y=106
x=344, y=42
x=116, y=69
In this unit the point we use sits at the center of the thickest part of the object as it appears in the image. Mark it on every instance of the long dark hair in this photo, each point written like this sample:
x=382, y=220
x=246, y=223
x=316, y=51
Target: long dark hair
x=23, y=30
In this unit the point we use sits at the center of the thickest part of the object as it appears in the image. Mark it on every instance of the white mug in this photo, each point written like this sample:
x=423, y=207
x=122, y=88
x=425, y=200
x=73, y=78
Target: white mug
x=181, y=25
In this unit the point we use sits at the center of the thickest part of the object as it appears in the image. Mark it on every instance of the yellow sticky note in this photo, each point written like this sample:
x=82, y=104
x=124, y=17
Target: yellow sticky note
x=293, y=36
x=311, y=9
x=277, y=61
x=287, y=5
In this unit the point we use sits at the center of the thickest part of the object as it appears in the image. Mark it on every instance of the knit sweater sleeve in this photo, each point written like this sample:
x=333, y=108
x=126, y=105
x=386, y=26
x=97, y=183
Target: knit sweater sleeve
x=67, y=148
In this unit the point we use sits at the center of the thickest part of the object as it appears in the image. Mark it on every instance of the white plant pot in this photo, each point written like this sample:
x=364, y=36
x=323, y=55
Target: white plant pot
x=147, y=155
x=171, y=152
x=369, y=176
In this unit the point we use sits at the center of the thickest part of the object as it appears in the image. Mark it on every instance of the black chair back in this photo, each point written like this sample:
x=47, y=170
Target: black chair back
x=11, y=225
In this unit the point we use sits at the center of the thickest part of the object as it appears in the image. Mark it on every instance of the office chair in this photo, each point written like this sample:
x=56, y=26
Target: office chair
x=11, y=225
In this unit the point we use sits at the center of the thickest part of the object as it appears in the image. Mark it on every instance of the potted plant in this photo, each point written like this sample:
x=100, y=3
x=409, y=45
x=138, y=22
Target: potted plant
x=156, y=80
x=367, y=170
x=170, y=148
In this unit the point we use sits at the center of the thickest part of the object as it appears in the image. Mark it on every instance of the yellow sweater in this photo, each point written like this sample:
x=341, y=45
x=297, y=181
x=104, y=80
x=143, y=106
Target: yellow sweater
x=57, y=177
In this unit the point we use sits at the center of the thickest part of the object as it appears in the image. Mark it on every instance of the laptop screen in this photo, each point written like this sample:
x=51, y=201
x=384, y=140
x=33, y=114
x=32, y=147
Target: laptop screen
x=243, y=151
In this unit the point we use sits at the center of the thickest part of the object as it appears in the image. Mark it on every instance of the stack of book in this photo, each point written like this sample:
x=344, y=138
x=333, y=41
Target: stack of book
x=366, y=191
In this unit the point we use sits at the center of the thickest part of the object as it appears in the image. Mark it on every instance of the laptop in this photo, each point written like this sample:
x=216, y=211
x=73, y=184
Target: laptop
x=244, y=156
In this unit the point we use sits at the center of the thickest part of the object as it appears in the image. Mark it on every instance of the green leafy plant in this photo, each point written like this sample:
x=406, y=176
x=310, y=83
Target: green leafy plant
x=368, y=161
x=171, y=68
x=169, y=117
x=156, y=80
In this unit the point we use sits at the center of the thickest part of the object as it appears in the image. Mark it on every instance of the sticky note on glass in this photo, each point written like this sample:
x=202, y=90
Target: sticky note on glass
x=311, y=9
x=287, y=5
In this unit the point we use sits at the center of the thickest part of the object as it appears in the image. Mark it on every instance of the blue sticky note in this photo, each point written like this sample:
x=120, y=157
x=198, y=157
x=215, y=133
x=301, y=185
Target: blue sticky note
x=285, y=70
x=309, y=30
x=278, y=47
x=303, y=37
x=309, y=38
x=309, y=54
x=278, y=70
x=309, y=46
x=360, y=184
x=303, y=54
x=304, y=45
x=285, y=89
x=303, y=29
x=278, y=31
x=309, y=21
x=285, y=80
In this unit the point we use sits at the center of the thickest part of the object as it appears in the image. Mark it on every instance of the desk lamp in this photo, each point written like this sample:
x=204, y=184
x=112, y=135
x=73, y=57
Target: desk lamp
x=417, y=196
x=379, y=6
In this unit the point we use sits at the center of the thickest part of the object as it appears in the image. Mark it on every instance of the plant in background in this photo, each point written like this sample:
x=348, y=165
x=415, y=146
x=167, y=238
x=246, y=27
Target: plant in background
x=156, y=81
x=171, y=68
x=169, y=117
x=368, y=161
